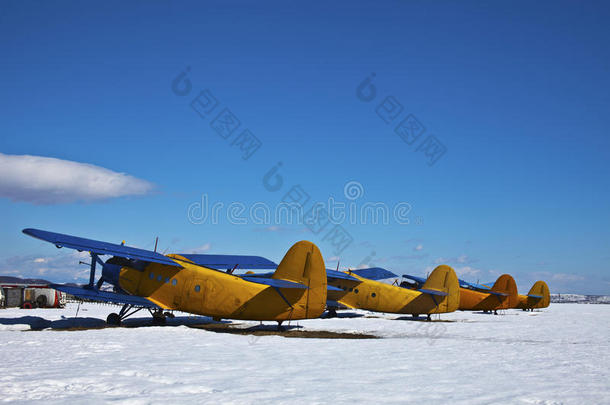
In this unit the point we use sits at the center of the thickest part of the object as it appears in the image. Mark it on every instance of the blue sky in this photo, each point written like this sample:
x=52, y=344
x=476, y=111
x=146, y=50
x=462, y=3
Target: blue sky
x=516, y=93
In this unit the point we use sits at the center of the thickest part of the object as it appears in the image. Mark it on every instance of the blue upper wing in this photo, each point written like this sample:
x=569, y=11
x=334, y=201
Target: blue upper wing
x=374, y=273
x=340, y=275
x=100, y=248
x=231, y=261
x=104, y=296
x=419, y=280
x=466, y=284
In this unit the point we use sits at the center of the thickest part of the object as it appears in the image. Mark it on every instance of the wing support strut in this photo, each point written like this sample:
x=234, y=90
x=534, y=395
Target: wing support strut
x=284, y=298
x=94, y=259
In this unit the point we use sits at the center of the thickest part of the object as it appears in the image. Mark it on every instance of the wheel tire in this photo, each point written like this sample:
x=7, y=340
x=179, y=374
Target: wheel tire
x=41, y=300
x=113, y=319
x=158, y=319
x=27, y=305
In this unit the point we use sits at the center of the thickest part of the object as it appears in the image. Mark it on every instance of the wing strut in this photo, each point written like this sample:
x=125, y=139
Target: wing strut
x=94, y=259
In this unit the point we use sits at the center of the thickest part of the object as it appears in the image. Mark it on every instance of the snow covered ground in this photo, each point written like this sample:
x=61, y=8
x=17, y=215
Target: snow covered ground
x=556, y=355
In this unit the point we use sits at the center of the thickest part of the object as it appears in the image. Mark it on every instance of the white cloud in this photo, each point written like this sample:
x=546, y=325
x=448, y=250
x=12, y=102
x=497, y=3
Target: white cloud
x=60, y=267
x=201, y=249
x=462, y=259
x=43, y=180
x=466, y=271
x=419, y=248
x=567, y=277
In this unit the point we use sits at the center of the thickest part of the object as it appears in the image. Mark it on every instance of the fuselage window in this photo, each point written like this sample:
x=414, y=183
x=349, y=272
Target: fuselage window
x=356, y=291
x=167, y=279
x=174, y=282
x=159, y=277
x=151, y=275
x=373, y=295
x=197, y=288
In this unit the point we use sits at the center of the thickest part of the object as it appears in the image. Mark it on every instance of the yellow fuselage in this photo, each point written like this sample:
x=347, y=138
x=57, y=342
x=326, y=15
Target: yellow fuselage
x=381, y=297
x=210, y=292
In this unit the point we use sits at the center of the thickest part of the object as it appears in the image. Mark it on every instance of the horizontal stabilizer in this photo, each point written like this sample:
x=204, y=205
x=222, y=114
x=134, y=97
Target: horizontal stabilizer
x=419, y=280
x=231, y=261
x=433, y=292
x=374, y=273
x=274, y=282
x=498, y=293
x=98, y=247
x=339, y=275
x=260, y=275
x=534, y=296
x=104, y=296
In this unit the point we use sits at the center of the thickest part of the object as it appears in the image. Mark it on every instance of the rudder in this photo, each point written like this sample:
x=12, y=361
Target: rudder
x=443, y=278
x=506, y=284
x=303, y=263
x=542, y=289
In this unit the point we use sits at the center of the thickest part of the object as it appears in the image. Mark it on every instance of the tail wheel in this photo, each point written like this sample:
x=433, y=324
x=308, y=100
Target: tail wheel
x=27, y=305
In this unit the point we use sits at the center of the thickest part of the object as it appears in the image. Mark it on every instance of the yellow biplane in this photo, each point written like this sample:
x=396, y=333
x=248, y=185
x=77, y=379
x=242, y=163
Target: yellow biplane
x=538, y=296
x=198, y=284
x=505, y=291
x=479, y=297
x=440, y=293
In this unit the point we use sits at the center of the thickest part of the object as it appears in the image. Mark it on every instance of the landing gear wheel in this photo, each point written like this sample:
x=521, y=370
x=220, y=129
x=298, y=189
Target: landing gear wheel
x=428, y=318
x=158, y=318
x=280, y=328
x=169, y=315
x=113, y=319
x=332, y=313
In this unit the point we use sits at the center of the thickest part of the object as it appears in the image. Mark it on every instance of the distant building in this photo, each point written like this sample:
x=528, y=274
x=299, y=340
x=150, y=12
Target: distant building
x=29, y=293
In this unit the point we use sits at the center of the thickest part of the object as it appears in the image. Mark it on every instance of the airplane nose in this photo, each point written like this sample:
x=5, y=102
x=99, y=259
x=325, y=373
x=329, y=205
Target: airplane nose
x=111, y=273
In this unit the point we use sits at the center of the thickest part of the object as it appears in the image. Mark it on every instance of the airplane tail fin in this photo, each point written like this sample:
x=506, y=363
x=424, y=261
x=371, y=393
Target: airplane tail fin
x=443, y=279
x=303, y=263
x=540, y=289
x=506, y=286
